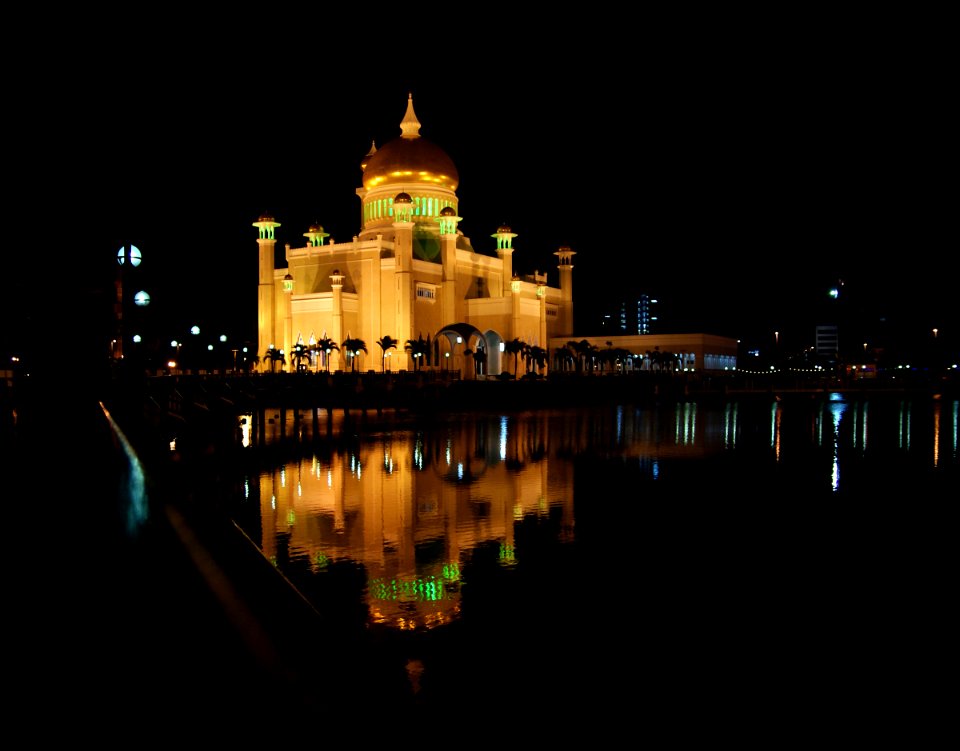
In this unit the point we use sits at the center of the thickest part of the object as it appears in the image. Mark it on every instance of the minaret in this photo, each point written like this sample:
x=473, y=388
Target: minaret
x=565, y=267
x=505, y=251
x=515, y=308
x=315, y=235
x=448, y=253
x=266, y=300
x=542, y=299
x=403, y=251
x=286, y=343
x=336, y=283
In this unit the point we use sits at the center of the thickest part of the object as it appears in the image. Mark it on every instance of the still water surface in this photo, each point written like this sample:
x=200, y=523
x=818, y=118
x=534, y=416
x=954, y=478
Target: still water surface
x=744, y=553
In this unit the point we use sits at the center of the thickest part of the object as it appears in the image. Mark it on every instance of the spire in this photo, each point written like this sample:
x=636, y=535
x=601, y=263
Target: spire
x=410, y=127
x=373, y=150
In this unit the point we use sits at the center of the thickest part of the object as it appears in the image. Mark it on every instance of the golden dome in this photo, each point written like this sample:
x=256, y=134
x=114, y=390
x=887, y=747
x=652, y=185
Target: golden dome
x=403, y=197
x=410, y=159
x=447, y=211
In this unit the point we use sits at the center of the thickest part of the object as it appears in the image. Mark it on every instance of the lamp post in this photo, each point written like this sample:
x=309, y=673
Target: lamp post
x=128, y=257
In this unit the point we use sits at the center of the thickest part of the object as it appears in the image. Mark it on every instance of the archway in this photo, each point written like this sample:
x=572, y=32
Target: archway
x=460, y=338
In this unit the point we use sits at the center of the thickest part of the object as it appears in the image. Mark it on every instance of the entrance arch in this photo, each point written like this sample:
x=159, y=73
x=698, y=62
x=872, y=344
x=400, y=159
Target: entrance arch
x=458, y=338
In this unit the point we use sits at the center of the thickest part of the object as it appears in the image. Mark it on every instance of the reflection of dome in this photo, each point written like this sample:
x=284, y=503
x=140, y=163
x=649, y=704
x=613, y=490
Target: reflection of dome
x=410, y=158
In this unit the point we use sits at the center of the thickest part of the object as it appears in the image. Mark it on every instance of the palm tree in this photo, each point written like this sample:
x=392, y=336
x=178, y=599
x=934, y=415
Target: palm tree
x=517, y=348
x=354, y=347
x=584, y=351
x=536, y=358
x=417, y=349
x=323, y=348
x=299, y=353
x=386, y=342
x=275, y=355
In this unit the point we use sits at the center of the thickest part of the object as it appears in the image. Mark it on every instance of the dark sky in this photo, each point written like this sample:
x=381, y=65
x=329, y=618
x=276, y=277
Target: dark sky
x=735, y=171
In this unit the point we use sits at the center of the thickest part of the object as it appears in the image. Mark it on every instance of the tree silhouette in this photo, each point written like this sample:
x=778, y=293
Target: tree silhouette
x=536, y=358
x=386, y=342
x=275, y=355
x=353, y=346
x=298, y=354
x=517, y=348
x=323, y=348
x=418, y=349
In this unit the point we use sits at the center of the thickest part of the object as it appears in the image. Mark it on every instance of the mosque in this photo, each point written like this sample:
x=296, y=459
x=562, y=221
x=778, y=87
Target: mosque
x=412, y=278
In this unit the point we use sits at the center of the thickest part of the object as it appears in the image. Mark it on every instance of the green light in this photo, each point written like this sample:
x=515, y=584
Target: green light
x=428, y=589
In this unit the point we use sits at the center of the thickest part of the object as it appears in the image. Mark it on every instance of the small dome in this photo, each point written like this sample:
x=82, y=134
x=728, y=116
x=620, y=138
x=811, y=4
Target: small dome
x=447, y=211
x=316, y=228
x=287, y=277
x=265, y=217
x=403, y=197
x=504, y=228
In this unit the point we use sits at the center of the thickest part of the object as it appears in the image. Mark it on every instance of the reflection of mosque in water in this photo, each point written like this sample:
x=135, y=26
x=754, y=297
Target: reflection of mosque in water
x=410, y=505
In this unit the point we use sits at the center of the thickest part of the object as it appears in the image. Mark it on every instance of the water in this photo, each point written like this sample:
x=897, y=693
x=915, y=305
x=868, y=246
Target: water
x=754, y=561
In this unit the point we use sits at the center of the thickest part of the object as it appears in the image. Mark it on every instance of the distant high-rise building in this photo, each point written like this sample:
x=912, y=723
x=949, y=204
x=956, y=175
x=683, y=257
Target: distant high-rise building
x=828, y=341
x=630, y=317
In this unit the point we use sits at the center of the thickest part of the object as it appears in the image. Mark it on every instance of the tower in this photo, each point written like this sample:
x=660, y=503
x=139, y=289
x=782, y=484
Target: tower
x=266, y=291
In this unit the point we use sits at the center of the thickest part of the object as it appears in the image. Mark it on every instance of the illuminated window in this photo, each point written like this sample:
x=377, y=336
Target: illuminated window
x=426, y=292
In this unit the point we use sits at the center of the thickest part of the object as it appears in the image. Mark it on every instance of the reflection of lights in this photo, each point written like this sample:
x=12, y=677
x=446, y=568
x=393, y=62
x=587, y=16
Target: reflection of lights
x=730, y=426
x=459, y=470
x=778, y=414
x=905, y=425
x=936, y=433
x=503, y=437
x=418, y=453
x=420, y=589
x=773, y=424
x=837, y=408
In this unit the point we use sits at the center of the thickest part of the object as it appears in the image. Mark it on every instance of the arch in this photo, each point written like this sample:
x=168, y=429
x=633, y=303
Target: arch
x=469, y=336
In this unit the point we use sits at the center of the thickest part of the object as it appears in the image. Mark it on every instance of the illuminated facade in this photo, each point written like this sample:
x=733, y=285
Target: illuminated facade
x=410, y=275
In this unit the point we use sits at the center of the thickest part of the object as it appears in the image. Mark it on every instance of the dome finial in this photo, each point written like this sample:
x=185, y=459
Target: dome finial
x=410, y=126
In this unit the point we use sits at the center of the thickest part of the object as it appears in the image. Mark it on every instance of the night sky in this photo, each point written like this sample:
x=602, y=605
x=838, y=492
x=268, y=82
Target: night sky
x=733, y=171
